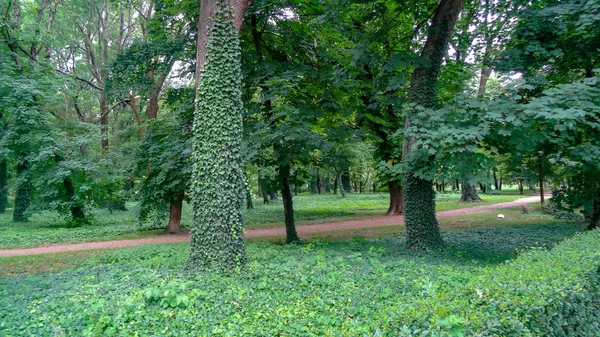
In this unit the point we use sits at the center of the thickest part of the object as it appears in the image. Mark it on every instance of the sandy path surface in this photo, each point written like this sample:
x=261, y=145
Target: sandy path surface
x=250, y=233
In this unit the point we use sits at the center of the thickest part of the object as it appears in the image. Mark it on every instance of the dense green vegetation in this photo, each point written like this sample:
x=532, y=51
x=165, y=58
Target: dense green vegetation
x=322, y=288
x=132, y=118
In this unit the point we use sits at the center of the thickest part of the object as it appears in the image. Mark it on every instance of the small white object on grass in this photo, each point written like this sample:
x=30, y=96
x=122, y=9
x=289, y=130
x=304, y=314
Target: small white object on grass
x=501, y=216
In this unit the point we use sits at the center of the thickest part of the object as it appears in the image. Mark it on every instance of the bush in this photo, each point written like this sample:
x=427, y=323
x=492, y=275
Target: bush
x=541, y=293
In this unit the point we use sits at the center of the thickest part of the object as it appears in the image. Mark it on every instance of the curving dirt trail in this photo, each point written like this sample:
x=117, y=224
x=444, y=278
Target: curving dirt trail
x=263, y=232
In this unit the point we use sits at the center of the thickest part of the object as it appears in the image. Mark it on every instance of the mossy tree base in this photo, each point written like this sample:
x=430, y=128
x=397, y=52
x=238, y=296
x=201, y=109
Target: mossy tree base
x=422, y=228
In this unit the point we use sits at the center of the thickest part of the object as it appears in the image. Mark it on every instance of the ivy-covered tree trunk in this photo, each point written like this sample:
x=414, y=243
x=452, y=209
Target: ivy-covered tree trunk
x=469, y=193
x=396, y=198
x=3, y=187
x=291, y=235
x=22, y=196
x=217, y=235
x=422, y=228
x=175, y=209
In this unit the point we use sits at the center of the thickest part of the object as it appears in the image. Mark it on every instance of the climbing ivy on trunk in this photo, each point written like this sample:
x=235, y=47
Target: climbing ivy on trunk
x=422, y=228
x=218, y=192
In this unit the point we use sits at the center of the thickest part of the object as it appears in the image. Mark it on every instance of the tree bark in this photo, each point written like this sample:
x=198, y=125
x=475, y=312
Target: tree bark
x=340, y=185
x=396, y=198
x=346, y=181
x=3, y=186
x=288, y=205
x=469, y=193
x=175, y=209
x=77, y=212
x=22, y=197
x=264, y=189
x=422, y=228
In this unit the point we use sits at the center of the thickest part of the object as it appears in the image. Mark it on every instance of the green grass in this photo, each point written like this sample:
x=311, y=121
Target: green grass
x=349, y=287
x=48, y=227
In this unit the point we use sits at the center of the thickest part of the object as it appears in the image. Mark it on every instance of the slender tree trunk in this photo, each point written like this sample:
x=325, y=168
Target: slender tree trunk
x=541, y=172
x=340, y=185
x=175, y=209
x=469, y=193
x=103, y=123
x=288, y=205
x=3, y=187
x=319, y=181
x=22, y=197
x=396, y=198
x=521, y=186
x=422, y=228
x=496, y=182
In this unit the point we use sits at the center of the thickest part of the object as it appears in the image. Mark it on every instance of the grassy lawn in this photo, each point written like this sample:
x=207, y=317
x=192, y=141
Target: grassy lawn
x=344, y=287
x=48, y=227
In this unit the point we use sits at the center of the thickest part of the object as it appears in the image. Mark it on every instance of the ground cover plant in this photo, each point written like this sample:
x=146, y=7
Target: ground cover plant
x=322, y=288
x=50, y=227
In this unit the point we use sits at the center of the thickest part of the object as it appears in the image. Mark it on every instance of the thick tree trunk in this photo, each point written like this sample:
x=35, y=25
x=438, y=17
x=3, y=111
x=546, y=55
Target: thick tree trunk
x=22, y=197
x=469, y=193
x=3, y=187
x=204, y=23
x=422, y=228
x=291, y=235
x=346, y=184
x=396, y=198
x=217, y=236
x=175, y=209
x=77, y=212
x=264, y=190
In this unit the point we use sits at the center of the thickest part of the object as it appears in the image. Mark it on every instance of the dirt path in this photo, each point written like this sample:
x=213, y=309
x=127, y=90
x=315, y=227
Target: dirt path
x=250, y=233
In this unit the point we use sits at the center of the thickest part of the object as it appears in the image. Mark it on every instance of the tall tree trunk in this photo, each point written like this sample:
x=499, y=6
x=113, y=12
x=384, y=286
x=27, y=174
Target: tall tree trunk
x=469, y=193
x=319, y=181
x=22, y=197
x=291, y=235
x=175, y=209
x=422, y=228
x=3, y=187
x=249, y=204
x=396, y=198
x=217, y=240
